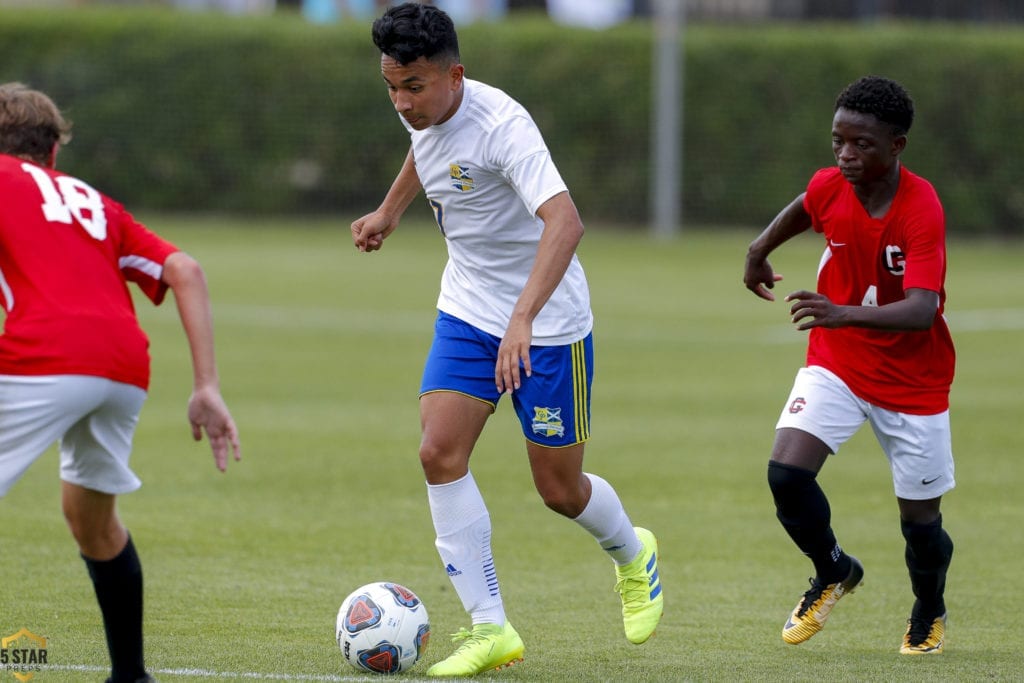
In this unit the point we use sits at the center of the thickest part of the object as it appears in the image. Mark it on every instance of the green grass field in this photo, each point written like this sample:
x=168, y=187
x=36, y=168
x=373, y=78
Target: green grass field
x=320, y=352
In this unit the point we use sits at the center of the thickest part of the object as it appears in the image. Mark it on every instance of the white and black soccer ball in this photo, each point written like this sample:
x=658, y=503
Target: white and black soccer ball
x=382, y=627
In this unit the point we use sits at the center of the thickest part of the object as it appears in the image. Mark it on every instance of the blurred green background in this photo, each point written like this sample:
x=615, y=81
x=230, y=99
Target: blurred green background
x=252, y=140
x=269, y=113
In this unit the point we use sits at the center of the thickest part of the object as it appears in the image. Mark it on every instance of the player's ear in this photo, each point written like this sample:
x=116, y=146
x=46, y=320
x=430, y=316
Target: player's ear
x=899, y=143
x=455, y=73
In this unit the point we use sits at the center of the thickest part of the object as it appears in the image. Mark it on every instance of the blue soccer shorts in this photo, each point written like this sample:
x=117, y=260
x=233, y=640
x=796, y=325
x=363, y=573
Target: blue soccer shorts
x=553, y=403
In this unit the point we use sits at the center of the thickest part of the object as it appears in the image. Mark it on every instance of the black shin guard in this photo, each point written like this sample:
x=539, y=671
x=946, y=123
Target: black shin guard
x=803, y=510
x=928, y=554
x=118, y=584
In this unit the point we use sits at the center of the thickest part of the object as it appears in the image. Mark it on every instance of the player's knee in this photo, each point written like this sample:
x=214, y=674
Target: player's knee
x=430, y=455
x=566, y=501
x=787, y=480
x=928, y=541
x=98, y=538
x=562, y=506
x=440, y=464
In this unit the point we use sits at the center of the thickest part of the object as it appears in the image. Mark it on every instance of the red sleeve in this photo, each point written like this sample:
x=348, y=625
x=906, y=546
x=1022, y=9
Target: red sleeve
x=142, y=255
x=926, y=240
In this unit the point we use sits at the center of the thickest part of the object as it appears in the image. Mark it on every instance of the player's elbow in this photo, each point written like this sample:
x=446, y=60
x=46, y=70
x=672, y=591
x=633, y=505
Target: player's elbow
x=921, y=323
x=923, y=309
x=181, y=270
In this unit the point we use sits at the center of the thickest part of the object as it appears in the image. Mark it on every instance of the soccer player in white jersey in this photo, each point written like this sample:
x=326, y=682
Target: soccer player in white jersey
x=513, y=318
x=74, y=363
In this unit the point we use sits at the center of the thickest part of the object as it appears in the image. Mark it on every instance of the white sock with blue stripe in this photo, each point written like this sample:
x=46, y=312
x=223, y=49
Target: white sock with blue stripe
x=607, y=521
x=463, y=528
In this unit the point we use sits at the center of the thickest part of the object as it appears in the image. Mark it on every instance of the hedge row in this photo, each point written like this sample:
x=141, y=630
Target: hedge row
x=184, y=111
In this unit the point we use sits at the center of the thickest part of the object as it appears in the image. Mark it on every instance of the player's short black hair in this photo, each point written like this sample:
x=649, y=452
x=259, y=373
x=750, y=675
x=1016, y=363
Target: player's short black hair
x=411, y=30
x=881, y=97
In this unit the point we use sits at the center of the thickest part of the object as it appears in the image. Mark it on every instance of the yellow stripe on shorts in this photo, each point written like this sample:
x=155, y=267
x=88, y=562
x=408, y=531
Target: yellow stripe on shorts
x=579, y=390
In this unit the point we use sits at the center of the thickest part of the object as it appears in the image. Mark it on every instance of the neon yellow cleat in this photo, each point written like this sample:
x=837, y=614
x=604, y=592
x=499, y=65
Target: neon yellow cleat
x=487, y=646
x=924, y=637
x=640, y=589
x=815, y=606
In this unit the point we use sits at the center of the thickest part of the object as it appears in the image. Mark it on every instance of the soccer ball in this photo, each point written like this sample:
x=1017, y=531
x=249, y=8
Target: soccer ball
x=382, y=627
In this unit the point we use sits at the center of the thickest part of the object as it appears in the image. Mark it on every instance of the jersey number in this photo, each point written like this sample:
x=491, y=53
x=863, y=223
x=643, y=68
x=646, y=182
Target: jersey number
x=870, y=296
x=67, y=199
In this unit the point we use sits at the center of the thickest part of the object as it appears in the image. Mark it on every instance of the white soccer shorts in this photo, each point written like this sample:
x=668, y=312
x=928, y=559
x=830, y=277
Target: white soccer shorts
x=92, y=418
x=919, y=447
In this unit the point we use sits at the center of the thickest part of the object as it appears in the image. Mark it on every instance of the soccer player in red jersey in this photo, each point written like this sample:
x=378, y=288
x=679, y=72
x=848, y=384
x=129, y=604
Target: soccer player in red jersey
x=879, y=351
x=74, y=363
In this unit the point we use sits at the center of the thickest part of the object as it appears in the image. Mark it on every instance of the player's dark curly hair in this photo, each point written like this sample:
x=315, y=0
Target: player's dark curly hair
x=411, y=30
x=881, y=97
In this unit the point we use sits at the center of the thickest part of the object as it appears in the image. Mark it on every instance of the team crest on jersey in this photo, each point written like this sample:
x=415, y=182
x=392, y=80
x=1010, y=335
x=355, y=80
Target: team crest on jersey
x=548, y=421
x=461, y=180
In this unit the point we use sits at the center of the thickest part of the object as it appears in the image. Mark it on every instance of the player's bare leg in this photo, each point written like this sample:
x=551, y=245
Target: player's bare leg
x=451, y=424
x=592, y=503
x=115, y=572
x=559, y=479
x=92, y=519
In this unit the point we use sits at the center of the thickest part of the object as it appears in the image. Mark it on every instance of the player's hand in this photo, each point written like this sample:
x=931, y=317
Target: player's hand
x=760, y=278
x=513, y=351
x=814, y=309
x=208, y=412
x=368, y=232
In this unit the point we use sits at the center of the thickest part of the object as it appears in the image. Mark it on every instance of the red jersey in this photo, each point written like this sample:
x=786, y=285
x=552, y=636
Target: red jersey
x=66, y=254
x=872, y=262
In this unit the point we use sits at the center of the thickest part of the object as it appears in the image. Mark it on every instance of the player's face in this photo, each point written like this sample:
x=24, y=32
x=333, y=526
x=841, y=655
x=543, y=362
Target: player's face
x=424, y=92
x=865, y=148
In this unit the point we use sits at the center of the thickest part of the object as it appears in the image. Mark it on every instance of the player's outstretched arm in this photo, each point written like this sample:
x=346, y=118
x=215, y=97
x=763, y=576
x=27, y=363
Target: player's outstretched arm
x=206, y=408
x=758, y=275
x=369, y=232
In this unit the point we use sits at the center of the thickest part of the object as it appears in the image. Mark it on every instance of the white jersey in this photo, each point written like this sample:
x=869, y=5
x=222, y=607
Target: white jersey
x=486, y=171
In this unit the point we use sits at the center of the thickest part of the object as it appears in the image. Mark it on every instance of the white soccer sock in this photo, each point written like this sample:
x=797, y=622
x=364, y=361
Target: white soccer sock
x=607, y=521
x=463, y=529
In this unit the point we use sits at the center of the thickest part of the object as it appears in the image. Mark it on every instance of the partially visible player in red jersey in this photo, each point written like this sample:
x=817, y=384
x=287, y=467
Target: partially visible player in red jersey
x=879, y=352
x=74, y=363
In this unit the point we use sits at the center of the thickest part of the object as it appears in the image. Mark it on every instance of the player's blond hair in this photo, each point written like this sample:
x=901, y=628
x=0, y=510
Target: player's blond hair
x=30, y=123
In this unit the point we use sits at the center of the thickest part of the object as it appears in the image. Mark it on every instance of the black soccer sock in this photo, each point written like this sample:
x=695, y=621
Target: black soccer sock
x=118, y=584
x=803, y=510
x=928, y=554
